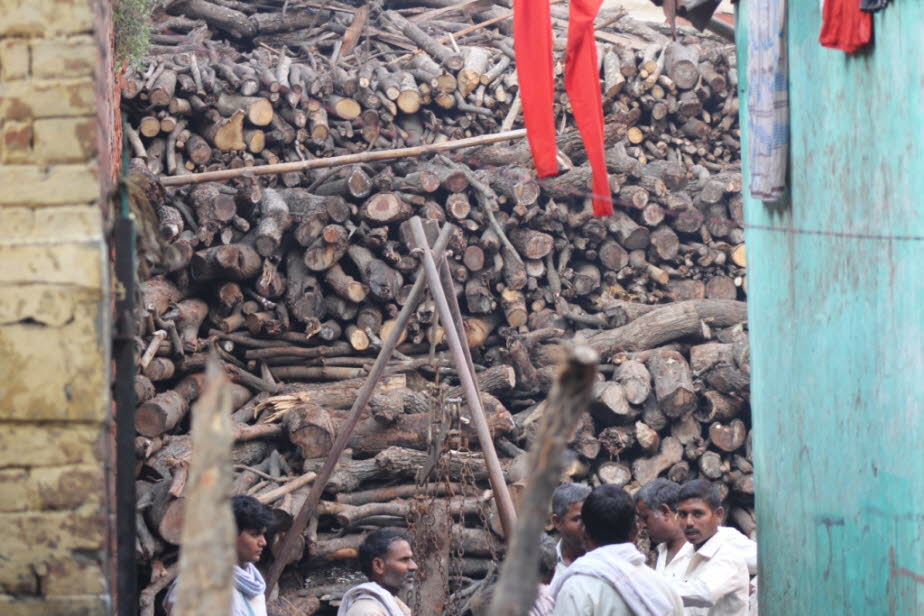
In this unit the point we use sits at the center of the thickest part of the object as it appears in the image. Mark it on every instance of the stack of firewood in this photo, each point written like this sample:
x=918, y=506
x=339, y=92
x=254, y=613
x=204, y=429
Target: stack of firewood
x=296, y=278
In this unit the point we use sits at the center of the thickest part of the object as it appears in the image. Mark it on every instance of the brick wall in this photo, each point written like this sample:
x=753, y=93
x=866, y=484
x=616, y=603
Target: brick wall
x=54, y=319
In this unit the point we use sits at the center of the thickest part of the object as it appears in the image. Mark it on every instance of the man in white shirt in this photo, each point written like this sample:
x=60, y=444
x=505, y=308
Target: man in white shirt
x=715, y=582
x=386, y=557
x=567, y=501
x=656, y=507
x=611, y=579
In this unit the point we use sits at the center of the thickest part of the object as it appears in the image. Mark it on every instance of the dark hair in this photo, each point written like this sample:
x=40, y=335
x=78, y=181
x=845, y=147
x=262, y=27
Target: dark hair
x=659, y=492
x=608, y=515
x=702, y=489
x=376, y=545
x=250, y=514
x=566, y=495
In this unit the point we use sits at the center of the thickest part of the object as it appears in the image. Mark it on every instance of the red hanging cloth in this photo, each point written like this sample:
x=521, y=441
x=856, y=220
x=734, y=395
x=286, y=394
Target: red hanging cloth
x=533, y=44
x=844, y=26
x=582, y=82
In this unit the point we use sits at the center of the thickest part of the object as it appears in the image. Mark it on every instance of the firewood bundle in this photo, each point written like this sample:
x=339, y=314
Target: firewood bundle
x=295, y=279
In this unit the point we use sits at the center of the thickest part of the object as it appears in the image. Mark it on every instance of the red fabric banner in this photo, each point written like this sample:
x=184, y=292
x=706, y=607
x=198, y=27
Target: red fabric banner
x=582, y=82
x=532, y=41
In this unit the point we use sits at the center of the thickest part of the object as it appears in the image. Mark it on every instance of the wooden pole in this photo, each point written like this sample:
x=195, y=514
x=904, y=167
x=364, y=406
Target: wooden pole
x=335, y=161
x=495, y=472
x=343, y=435
x=208, y=556
x=570, y=396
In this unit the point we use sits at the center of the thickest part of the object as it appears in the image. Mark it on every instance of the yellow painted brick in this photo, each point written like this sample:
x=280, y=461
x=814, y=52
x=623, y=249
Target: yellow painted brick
x=78, y=264
x=70, y=576
x=62, y=223
x=47, y=98
x=56, y=373
x=64, y=140
x=51, y=488
x=75, y=605
x=45, y=17
x=72, y=57
x=51, y=305
x=52, y=185
x=36, y=445
x=14, y=59
x=17, y=138
x=35, y=544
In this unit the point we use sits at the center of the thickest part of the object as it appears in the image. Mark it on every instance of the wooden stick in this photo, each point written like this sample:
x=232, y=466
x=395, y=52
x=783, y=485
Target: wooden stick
x=273, y=495
x=207, y=559
x=346, y=428
x=335, y=161
x=570, y=395
x=450, y=37
x=469, y=386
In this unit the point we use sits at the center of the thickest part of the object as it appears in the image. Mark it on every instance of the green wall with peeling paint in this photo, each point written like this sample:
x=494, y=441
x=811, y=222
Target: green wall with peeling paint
x=836, y=328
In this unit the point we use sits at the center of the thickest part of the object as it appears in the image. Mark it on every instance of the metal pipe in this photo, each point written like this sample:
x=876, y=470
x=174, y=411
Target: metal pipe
x=495, y=473
x=343, y=434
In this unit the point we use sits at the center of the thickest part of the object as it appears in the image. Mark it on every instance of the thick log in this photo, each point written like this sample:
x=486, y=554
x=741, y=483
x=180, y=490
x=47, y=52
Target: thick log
x=673, y=383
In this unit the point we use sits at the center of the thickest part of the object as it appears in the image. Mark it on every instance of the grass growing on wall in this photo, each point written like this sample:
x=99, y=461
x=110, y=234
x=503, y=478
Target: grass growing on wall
x=132, y=26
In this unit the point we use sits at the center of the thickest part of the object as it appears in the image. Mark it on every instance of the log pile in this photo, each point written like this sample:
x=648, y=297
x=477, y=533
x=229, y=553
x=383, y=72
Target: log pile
x=295, y=278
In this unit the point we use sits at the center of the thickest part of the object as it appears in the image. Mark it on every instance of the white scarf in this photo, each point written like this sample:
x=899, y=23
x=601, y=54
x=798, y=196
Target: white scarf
x=370, y=590
x=616, y=565
x=248, y=583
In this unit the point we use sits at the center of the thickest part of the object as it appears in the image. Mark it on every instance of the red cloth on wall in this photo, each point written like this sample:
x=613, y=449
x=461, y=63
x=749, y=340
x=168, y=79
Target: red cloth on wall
x=844, y=26
x=532, y=31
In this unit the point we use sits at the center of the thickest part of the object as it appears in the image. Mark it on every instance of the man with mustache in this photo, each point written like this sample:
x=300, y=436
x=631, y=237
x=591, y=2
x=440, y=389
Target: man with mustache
x=715, y=579
x=567, y=500
x=386, y=557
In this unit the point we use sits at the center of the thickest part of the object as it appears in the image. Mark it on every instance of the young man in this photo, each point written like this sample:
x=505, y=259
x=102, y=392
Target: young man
x=385, y=556
x=612, y=579
x=715, y=580
x=252, y=520
x=567, y=501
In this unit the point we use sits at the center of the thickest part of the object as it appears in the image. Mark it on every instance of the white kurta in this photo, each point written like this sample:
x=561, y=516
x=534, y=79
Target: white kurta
x=583, y=595
x=714, y=581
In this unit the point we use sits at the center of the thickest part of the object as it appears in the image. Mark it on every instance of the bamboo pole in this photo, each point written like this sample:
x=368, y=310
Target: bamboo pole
x=336, y=161
x=570, y=395
x=469, y=387
x=346, y=428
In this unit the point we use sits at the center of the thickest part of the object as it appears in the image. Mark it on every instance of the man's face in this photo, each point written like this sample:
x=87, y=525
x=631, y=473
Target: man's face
x=698, y=520
x=660, y=523
x=249, y=545
x=396, y=570
x=570, y=526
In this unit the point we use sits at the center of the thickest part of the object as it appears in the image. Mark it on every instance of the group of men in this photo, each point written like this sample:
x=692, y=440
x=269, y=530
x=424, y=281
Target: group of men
x=702, y=567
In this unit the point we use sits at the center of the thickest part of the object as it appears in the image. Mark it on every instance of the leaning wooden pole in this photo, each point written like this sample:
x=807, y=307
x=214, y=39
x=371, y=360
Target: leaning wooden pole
x=343, y=434
x=570, y=396
x=495, y=472
x=336, y=161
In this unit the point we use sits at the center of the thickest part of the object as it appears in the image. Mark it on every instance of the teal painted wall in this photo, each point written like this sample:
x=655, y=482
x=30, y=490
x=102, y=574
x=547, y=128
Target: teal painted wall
x=837, y=328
